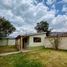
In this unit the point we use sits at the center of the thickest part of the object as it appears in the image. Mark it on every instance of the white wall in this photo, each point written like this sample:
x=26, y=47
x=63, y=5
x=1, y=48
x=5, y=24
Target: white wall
x=62, y=43
x=3, y=42
x=31, y=43
x=48, y=44
x=6, y=41
x=11, y=42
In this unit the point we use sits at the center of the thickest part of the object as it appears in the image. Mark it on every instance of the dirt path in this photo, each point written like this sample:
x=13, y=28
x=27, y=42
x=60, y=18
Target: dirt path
x=4, y=54
x=9, y=53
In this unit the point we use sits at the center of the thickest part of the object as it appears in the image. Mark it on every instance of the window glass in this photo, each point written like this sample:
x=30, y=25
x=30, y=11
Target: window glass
x=36, y=39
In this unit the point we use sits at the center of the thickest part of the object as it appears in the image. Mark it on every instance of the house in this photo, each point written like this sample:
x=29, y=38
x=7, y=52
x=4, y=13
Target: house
x=30, y=40
x=40, y=39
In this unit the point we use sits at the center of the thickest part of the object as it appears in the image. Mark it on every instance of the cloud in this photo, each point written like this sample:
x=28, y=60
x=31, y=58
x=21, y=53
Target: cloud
x=59, y=19
x=50, y=2
x=24, y=14
x=60, y=30
x=64, y=9
x=6, y=4
x=65, y=1
x=60, y=23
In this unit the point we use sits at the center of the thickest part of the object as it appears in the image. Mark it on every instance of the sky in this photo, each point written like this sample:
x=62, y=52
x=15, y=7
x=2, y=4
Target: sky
x=24, y=14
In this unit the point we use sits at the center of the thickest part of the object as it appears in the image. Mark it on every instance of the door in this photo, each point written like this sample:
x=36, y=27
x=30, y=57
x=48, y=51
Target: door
x=25, y=42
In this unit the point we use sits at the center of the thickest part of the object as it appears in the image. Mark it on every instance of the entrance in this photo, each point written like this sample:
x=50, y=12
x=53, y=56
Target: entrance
x=25, y=42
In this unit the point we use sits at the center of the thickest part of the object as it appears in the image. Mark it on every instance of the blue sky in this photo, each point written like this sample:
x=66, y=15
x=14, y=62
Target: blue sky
x=24, y=14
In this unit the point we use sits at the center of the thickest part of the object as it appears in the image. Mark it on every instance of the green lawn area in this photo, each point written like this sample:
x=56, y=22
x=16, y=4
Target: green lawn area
x=5, y=49
x=36, y=58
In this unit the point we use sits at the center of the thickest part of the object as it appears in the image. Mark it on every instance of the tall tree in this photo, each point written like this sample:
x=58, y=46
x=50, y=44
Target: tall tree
x=42, y=26
x=6, y=27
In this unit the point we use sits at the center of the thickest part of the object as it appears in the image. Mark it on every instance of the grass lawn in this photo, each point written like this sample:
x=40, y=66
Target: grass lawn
x=4, y=49
x=36, y=58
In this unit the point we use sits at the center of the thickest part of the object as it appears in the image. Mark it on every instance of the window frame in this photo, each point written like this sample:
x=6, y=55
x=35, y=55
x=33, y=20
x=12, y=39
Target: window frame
x=36, y=39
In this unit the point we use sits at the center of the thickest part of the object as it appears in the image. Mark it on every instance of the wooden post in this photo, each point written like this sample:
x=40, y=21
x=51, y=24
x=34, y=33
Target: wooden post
x=21, y=43
x=16, y=43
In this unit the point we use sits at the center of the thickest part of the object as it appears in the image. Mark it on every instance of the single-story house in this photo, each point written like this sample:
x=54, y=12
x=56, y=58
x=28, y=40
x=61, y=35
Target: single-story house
x=31, y=40
x=40, y=39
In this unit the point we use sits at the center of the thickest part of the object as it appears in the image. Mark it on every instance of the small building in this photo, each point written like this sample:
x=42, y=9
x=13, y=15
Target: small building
x=31, y=40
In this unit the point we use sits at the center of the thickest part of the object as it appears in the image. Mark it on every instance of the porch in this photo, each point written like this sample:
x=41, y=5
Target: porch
x=22, y=42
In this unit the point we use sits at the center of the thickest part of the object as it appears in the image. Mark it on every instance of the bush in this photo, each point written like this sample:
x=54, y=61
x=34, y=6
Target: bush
x=56, y=43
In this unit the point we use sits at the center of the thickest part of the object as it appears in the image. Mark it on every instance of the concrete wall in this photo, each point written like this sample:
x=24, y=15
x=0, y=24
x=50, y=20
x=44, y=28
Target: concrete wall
x=62, y=43
x=48, y=44
x=6, y=41
x=11, y=42
x=3, y=42
x=32, y=43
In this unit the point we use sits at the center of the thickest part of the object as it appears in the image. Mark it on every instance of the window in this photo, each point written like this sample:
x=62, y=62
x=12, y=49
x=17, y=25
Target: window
x=36, y=39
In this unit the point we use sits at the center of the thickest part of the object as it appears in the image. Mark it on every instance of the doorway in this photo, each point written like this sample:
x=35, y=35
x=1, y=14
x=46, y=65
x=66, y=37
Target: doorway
x=25, y=42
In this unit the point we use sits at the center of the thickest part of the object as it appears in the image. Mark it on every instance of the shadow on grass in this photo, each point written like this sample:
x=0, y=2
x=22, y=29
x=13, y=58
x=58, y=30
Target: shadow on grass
x=5, y=49
x=47, y=49
x=27, y=63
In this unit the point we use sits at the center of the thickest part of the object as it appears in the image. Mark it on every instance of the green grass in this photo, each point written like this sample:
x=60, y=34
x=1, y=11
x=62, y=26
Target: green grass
x=36, y=58
x=5, y=49
x=18, y=60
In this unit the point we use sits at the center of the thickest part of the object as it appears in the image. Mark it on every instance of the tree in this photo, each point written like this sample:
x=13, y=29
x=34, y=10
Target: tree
x=42, y=26
x=6, y=27
x=55, y=41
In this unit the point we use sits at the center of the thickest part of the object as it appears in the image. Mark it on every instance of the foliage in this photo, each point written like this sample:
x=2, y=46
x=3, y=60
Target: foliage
x=55, y=41
x=42, y=26
x=6, y=27
x=27, y=63
x=48, y=33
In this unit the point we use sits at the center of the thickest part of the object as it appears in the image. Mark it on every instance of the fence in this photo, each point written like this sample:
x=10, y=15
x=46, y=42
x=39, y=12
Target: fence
x=7, y=41
x=62, y=44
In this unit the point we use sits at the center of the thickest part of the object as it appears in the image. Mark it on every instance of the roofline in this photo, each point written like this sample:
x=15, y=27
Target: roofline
x=31, y=34
x=37, y=33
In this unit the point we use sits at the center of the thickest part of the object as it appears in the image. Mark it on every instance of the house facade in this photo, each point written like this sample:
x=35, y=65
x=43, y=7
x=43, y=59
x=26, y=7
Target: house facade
x=32, y=40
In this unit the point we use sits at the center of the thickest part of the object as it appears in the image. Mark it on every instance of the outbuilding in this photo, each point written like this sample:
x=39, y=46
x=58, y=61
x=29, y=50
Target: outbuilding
x=31, y=40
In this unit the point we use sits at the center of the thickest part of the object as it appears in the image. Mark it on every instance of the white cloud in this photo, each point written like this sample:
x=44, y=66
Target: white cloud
x=59, y=19
x=7, y=2
x=60, y=30
x=65, y=1
x=49, y=2
x=64, y=9
x=23, y=14
x=49, y=16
